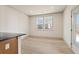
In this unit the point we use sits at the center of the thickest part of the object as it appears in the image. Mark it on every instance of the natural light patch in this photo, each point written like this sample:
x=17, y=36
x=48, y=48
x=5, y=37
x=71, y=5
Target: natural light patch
x=77, y=37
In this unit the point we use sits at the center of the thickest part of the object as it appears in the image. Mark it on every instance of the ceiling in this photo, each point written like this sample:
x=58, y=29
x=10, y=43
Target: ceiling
x=39, y=9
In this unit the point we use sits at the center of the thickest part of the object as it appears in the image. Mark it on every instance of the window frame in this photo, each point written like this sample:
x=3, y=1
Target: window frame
x=43, y=29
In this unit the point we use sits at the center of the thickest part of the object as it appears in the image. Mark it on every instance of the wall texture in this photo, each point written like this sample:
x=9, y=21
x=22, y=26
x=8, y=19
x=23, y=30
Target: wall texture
x=12, y=20
x=56, y=31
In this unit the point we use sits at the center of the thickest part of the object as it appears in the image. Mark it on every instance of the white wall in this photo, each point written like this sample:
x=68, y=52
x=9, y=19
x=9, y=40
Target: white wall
x=12, y=20
x=67, y=24
x=56, y=31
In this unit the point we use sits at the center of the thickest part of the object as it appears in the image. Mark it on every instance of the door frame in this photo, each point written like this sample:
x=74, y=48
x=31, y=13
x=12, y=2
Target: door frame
x=73, y=12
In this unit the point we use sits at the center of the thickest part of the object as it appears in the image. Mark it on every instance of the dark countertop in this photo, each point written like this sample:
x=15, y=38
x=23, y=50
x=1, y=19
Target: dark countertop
x=5, y=36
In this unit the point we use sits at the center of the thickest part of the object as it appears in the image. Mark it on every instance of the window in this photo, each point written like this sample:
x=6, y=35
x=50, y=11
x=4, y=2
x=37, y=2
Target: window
x=44, y=22
x=77, y=27
x=40, y=22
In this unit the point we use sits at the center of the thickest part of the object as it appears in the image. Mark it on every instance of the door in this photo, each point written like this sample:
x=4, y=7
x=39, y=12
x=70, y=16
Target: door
x=75, y=30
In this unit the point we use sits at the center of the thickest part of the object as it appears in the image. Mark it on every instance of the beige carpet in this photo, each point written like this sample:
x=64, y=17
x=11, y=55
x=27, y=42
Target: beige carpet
x=33, y=45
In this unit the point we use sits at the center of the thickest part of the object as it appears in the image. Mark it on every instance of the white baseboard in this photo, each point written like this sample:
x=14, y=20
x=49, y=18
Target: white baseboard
x=45, y=37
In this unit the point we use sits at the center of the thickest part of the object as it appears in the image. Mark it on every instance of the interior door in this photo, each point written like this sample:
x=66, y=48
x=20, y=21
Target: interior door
x=75, y=30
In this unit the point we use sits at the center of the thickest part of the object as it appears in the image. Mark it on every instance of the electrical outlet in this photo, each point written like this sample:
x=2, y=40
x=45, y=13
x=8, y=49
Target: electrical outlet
x=7, y=46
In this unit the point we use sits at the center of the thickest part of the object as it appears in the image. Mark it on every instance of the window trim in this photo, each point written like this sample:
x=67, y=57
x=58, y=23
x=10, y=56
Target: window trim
x=44, y=23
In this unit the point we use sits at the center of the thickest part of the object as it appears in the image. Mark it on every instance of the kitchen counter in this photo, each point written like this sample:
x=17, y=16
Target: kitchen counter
x=9, y=42
x=5, y=36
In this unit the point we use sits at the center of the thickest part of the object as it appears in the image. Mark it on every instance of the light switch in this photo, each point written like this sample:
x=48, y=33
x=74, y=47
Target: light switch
x=7, y=46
